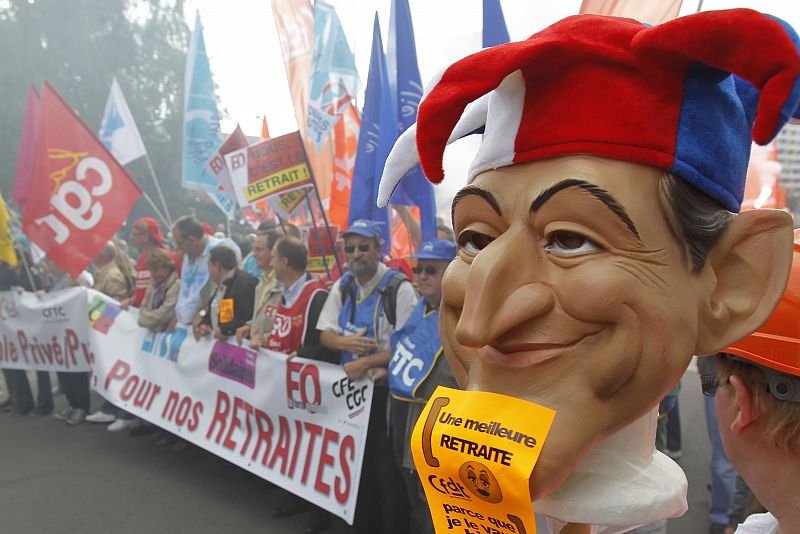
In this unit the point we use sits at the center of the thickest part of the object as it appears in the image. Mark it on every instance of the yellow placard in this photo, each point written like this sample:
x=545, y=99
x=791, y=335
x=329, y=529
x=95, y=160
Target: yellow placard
x=315, y=264
x=291, y=199
x=285, y=179
x=226, y=311
x=474, y=453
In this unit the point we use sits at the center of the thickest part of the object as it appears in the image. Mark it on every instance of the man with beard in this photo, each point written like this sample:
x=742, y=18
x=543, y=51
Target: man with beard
x=364, y=308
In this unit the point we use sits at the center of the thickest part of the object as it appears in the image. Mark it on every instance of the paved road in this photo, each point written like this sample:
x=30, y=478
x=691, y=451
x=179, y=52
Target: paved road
x=60, y=479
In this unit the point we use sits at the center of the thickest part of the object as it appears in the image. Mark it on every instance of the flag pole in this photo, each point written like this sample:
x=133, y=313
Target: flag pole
x=158, y=187
x=321, y=207
x=155, y=209
x=319, y=240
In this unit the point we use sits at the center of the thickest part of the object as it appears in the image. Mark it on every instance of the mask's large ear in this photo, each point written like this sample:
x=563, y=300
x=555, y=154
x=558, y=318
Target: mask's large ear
x=748, y=267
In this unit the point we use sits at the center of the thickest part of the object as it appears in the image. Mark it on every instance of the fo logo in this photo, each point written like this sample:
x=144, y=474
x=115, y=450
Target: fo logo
x=8, y=310
x=102, y=314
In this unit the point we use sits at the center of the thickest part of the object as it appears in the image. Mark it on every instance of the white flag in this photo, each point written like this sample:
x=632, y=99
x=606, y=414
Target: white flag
x=118, y=130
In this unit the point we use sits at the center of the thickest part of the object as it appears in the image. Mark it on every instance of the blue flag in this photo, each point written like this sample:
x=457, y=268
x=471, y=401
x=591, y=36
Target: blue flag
x=371, y=156
x=334, y=78
x=406, y=89
x=201, y=133
x=494, y=24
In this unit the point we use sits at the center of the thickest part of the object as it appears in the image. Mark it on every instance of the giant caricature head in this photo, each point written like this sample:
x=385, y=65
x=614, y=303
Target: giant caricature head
x=599, y=245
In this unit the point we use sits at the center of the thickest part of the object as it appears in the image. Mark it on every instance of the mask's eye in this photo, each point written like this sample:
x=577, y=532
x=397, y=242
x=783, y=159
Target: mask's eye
x=569, y=243
x=473, y=242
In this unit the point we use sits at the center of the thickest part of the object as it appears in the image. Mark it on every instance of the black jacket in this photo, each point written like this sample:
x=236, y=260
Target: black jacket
x=241, y=287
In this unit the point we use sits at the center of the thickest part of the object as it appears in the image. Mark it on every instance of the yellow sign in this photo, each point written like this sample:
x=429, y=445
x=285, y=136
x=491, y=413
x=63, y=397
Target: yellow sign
x=315, y=264
x=285, y=179
x=474, y=453
x=290, y=200
x=226, y=311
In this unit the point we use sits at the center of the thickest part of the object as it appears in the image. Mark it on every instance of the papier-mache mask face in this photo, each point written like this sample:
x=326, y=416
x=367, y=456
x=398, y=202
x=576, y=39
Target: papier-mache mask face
x=574, y=286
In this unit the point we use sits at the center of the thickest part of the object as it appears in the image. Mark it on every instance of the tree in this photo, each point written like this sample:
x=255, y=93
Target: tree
x=78, y=47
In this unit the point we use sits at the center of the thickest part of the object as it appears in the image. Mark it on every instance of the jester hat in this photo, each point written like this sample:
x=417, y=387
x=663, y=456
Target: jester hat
x=686, y=96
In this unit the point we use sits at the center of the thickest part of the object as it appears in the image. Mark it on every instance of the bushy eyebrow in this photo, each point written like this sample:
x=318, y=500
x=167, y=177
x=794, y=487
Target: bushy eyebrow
x=471, y=190
x=597, y=192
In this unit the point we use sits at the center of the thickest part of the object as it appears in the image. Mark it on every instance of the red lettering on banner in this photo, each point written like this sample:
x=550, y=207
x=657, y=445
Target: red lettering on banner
x=8, y=351
x=298, y=425
x=177, y=410
x=282, y=449
x=220, y=413
x=264, y=436
x=348, y=443
x=235, y=423
x=314, y=431
x=129, y=387
x=248, y=408
x=23, y=345
x=325, y=459
x=306, y=372
x=197, y=411
x=119, y=371
x=71, y=344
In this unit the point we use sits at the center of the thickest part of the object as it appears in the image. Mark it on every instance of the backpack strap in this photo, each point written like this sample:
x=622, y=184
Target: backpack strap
x=348, y=289
x=389, y=293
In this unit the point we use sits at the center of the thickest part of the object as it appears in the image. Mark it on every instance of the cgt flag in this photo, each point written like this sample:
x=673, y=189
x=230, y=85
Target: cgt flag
x=118, y=131
x=83, y=193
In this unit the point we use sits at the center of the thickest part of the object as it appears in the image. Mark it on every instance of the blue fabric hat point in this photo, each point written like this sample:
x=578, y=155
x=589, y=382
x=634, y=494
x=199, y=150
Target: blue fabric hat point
x=365, y=228
x=438, y=249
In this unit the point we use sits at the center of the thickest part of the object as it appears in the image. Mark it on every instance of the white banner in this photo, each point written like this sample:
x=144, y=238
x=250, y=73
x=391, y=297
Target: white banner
x=47, y=333
x=298, y=423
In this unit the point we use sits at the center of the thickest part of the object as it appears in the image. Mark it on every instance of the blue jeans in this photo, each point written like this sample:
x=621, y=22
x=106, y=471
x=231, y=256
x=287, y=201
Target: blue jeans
x=723, y=475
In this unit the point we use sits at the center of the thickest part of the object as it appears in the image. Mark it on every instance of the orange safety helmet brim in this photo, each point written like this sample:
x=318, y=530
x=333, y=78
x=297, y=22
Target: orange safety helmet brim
x=777, y=343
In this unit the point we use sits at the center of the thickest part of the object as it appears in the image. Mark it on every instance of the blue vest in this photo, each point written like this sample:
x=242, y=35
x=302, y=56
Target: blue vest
x=415, y=349
x=367, y=310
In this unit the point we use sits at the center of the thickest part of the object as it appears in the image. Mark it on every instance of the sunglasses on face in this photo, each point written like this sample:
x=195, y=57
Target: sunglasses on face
x=430, y=270
x=362, y=247
x=709, y=384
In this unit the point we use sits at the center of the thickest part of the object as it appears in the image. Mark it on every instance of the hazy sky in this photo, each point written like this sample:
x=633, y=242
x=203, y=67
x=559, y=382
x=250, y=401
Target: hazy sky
x=246, y=60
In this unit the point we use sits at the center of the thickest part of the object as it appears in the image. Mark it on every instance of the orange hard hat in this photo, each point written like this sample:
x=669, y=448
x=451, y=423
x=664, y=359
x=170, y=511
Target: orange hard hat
x=777, y=344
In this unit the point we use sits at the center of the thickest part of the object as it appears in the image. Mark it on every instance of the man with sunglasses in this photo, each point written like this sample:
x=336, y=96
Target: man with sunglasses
x=757, y=388
x=417, y=367
x=355, y=322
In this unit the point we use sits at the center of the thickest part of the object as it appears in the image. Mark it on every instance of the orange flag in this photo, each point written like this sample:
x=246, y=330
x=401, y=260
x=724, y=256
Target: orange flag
x=346, y=144
x=650, y=12
x=294, y=20
x=761, y=189
x=264, y=128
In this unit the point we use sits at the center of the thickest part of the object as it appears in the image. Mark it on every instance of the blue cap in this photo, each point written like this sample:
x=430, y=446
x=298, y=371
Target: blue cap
x=365, y=228
x=438, y=249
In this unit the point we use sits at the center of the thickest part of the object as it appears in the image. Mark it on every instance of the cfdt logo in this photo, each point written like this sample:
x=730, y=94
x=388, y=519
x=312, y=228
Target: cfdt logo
x=102, y=314
x=8, y=310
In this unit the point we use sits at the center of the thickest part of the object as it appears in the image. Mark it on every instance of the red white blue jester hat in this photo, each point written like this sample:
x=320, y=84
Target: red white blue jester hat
x=686, y=96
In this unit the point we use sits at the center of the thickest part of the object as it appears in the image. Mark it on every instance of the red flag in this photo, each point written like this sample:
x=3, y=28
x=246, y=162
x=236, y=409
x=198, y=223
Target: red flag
x=82, y=194
x=264, y=128
x=27, y=145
